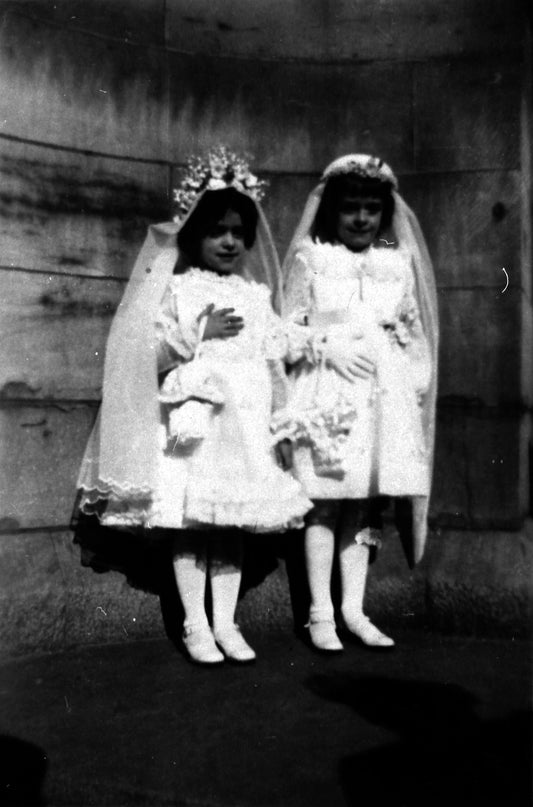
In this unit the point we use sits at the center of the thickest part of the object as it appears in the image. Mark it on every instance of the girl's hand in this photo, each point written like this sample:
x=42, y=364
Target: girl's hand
x=284, y=454
x=221, y=324
x=349, y=365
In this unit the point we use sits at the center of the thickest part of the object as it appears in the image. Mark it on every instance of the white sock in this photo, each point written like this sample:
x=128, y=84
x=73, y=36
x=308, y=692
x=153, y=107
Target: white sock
x=225, y=574
x=353, y=568
x=319, y=550
x=190, y=573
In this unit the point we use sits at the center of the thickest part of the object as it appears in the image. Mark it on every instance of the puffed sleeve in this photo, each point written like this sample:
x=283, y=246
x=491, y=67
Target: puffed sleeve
x=290, y=339
x=177, y=328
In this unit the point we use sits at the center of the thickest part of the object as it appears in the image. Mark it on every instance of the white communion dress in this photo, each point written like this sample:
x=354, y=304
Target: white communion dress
x=361, y=439
x=229, y=477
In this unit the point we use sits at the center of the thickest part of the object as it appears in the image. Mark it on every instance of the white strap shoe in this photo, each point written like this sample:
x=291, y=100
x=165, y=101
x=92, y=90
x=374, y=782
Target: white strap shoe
x=323, y=635
x=233, y=645
x=200, y=644
x=363, y=628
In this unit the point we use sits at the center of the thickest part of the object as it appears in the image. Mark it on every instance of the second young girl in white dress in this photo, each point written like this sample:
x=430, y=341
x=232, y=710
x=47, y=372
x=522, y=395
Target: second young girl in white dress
x=362, y=411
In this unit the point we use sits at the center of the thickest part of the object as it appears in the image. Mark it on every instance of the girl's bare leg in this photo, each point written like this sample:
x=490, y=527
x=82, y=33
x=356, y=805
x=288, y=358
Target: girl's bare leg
x=225, y=574
x=190, y=570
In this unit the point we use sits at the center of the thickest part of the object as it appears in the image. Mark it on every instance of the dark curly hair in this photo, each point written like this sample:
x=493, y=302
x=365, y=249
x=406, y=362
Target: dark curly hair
x=337, y=187
x=212, y=207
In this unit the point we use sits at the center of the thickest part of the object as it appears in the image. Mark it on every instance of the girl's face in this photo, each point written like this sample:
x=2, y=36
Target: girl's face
x=222, y=249
x=358, y=220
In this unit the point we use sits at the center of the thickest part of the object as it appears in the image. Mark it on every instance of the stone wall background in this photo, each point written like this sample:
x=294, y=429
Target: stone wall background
x=100, y=103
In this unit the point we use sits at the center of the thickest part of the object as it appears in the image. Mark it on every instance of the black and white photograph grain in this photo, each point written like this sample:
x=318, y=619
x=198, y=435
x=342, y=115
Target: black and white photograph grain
x=266, y=388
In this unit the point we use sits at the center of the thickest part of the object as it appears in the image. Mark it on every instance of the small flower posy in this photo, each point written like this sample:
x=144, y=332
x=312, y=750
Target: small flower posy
x=324, y=429
x=219, y=169
x=400, y=329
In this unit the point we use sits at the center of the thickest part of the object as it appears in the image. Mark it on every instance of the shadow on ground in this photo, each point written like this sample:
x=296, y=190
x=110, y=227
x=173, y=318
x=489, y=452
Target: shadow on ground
x=439, y=721
x=444, y=753
x=22, y=772
x=144, y=557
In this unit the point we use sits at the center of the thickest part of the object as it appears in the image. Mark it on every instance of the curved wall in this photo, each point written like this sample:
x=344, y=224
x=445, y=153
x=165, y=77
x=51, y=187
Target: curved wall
x=99, y=107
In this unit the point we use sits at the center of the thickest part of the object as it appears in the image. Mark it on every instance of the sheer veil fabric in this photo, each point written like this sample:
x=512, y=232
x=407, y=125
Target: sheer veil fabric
x=122, y=452
x=404, y=233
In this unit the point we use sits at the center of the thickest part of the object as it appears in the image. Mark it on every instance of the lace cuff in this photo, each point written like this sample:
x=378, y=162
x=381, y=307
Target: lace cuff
x=293, y=340
x=369, y=536
x=190, y=380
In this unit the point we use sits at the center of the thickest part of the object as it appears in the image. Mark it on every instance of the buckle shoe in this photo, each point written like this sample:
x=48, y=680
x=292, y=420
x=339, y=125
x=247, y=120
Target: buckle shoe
x=200, y=645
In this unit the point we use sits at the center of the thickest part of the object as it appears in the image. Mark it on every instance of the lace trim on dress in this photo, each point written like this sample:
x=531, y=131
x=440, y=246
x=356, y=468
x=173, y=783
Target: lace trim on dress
x=259, y=511
x=132, y=517
x=116, y=510
x=258, y=515
x=209, y=277
x=93, y=501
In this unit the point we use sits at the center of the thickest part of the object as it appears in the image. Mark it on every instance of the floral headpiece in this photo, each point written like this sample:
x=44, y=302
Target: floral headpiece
x=219, y=169
x=363, y=165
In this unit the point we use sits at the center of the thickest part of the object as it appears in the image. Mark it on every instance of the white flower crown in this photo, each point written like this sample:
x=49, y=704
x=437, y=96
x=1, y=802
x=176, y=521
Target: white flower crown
x=219, y=169
x=364, y=165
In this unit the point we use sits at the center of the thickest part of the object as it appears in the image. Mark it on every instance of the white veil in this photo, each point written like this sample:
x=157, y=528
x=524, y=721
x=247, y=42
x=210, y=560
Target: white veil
x=121, y=457
x=405, y=231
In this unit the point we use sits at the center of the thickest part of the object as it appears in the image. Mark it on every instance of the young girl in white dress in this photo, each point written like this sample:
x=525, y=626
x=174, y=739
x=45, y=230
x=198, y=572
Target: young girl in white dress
x=361, y=417
x=193, y=369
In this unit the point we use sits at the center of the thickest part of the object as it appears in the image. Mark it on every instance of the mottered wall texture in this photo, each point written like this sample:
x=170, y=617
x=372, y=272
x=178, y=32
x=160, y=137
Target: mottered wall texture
x=100, y=103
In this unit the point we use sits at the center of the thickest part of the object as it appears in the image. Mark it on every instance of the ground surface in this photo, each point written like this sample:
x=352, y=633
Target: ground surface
x=438, y=721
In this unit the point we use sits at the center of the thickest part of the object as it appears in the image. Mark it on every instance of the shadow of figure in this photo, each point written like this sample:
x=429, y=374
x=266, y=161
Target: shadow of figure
x=145, y=559
x=444, y=753
x=292, y=550
x=146, y=562
x=22, y=771
x=128, y=551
